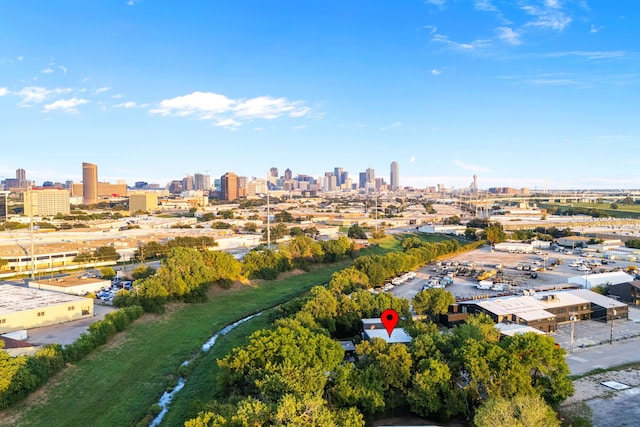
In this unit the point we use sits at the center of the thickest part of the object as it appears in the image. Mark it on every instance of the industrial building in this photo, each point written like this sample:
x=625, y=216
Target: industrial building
x=23, y=308
x=71, y=285
x=544, y=310
x=589, y=281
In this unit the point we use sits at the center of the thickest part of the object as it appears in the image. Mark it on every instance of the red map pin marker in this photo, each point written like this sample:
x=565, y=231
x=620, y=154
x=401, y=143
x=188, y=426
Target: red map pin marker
x=389, y=320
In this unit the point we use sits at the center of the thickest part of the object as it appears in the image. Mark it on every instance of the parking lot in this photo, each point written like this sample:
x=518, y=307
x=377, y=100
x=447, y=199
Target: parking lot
x=485, y=259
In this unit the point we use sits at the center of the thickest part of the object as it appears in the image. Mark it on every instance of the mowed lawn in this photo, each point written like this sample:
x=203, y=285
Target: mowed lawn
x=623, y=211
x=118, y=383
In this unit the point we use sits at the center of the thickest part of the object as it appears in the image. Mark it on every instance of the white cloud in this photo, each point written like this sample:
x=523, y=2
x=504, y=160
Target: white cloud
x=20, y=58
x=549, y=17
x=436, y=72
x=102, y=89
x=392, y=125
x=468, y=47
x=412, y=159
x=472, y=168
x=228, y=123
x=36, y=94
x=47, y=70
x=265, y=107
x=439, y=3
x=485, y=5
x=117, y=96
x=507, y=35
x=195, y=103
x=63, y=68
x=552, y=3
x=3, y=91
x=65, y=105
x=300, y=127
x=229, y=112
x=595, y=29
x=432, y=29
x=128, y=104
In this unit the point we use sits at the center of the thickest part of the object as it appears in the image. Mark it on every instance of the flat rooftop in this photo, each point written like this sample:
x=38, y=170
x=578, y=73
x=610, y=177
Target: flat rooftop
x=14, y=299
x=398, y=335
x=70, y=281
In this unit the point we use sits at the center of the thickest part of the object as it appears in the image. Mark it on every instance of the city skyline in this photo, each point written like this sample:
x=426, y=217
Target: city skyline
x=537, y=94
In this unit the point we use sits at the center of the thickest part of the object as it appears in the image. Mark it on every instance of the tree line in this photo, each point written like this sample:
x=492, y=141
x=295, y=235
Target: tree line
x=294, y=373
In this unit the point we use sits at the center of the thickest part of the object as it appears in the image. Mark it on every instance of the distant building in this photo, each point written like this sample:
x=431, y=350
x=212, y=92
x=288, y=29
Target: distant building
x=201, y=182
x=89, y=183
x=362, y=181
x=22, y=308
x=46, y=202
x=273, y=172
x=371, y=175
x=288, y=175
x=394, y=176
x=19, y=183
x=4, y=206
x=229, y=186
x=589, y=281
x=187, y=183
x=143, y=201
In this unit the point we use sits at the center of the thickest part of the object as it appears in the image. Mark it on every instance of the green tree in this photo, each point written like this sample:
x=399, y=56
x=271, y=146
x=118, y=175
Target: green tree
x=411, y=242
x=356, y=232
x=222, y=267
x=283, y=216
x=545, y=363
x=614, y=206
x=337, y=249
x=519, y=411
x=431, y=389
x=432, y=302
x=251, y=227
x=494, y=234
x=107, y=273
x=142, y=271
x=183, y=273
x=152, y=295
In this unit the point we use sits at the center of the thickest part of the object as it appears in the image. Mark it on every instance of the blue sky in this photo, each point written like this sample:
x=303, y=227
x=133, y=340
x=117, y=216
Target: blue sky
x=524, y=93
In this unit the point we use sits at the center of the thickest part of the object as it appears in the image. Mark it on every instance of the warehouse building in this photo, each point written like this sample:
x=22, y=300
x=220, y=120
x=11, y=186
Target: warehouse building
x=23, y=308
x=71, y=285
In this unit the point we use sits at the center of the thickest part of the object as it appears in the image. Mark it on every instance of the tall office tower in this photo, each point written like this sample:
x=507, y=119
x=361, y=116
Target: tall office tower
x=344, y=177
x=201, y=182
x=288, y=175
x=89, y=183
x=362, y=182
x=475, y=183
x=187, y=183
x=371, y=175
x=394, y=177
x=4, y=210
x=338, y=173
x=229, y=186
x=273, y=172
x=21, y=175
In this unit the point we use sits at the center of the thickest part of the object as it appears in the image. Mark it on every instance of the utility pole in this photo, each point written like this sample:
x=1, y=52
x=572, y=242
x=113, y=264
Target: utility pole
x=268, y=219
x=613, y=314
x=572, y=317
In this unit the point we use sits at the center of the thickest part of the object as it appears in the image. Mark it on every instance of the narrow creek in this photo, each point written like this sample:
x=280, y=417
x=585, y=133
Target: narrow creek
x=167, y=396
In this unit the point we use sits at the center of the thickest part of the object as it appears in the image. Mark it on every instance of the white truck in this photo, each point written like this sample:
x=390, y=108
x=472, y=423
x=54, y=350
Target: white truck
x=485, y=284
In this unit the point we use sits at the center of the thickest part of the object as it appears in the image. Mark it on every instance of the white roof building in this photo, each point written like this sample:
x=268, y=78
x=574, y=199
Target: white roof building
x=398, y=335
x=589, y=281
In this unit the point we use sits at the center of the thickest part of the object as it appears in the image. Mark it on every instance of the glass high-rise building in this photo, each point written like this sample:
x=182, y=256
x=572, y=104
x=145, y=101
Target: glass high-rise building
x=394, y=176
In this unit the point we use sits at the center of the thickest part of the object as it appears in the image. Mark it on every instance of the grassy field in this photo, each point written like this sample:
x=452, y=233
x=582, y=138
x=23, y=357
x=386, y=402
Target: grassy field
x=117, y=384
